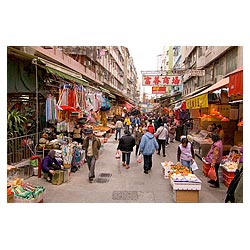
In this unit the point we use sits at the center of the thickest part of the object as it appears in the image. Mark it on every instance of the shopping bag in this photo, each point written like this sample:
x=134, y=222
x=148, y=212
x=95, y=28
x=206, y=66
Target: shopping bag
x=117, y=155
x=212, y=174
x=139, y=159
x=194, y=166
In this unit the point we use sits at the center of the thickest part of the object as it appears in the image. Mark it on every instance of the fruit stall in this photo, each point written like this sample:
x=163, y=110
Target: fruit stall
x=185, y=184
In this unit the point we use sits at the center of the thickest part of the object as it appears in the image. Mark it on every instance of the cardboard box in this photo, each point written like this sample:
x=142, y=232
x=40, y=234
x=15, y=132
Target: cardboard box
x=186, y=196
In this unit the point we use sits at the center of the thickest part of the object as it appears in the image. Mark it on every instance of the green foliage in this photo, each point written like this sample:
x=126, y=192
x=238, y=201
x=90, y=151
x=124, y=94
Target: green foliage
x=15, y=123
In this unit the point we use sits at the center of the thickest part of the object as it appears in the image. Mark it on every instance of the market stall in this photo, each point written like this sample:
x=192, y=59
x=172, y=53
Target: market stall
x=186, y=186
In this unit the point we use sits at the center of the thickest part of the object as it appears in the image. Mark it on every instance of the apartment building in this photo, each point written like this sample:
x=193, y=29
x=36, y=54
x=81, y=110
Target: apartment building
x=216, y=61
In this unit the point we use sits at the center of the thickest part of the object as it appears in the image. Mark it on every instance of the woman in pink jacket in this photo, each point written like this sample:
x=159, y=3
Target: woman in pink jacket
x=214, y=157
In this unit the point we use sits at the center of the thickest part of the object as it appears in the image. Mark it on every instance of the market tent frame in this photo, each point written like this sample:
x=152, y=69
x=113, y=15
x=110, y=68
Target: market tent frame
x=63, y=72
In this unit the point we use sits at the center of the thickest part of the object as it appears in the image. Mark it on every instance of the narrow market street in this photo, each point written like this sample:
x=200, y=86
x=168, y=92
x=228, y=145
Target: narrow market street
x=124, y=185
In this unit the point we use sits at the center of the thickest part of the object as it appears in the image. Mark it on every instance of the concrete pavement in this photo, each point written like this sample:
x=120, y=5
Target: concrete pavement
x=124, y=185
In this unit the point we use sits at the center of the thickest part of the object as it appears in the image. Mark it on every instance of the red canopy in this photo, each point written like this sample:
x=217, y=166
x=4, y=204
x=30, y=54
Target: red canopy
x=236, y=82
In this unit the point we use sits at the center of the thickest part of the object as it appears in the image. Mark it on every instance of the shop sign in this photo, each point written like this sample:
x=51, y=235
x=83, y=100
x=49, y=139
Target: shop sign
x=195, y=72
x=158, y=90
x=197, y=102
x=159, y=80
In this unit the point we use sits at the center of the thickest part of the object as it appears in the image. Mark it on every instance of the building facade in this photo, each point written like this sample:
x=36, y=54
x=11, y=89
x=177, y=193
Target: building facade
x=216, y=61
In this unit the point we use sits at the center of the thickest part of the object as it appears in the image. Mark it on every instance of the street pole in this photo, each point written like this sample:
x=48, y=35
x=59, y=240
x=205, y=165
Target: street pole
x=37, y=109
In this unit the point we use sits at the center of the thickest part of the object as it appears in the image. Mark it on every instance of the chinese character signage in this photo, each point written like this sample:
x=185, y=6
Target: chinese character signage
x=197, y=102
x=154, y=80
x=158, y=90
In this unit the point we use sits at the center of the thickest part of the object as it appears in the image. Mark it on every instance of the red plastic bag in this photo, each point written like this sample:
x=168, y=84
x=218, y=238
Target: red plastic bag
x=139, y=159
x=212, y=174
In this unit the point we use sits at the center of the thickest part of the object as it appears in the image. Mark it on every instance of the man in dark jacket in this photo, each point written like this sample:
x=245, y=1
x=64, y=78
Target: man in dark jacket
x=126, y=144
x=50, y=164
x=91, y=144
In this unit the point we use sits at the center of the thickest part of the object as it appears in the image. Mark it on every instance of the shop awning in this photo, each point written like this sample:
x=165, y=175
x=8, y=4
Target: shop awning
x=236, y=82
x=63, y=72
x=104, y=90
x=222, y=83
x=112, y=96
x=194, y=93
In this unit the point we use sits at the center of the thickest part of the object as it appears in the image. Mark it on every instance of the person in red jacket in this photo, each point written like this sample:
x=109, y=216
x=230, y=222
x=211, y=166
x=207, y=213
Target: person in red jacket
x=151, y=128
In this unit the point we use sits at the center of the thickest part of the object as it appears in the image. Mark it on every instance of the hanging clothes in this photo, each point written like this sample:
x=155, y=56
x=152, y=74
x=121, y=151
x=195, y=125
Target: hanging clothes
x=51, y=112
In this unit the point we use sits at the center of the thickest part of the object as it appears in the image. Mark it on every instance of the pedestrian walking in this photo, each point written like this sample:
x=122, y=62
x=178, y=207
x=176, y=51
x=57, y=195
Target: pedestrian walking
x=92, y=145
x=127, y=122
x=151, y=128
x=138, y=136
x=185, y=153
x=118, y=128
x=161, y=135
x=172, y=129
x=214, y=157
x=166, y=125
x=126, y=144
x=148, y=146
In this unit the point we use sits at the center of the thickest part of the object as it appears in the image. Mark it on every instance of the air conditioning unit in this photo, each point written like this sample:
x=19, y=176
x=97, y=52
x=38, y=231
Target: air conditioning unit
x=87, y=63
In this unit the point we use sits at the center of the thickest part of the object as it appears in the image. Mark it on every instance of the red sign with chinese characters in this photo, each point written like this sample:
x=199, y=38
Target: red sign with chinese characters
x=154, y=80
x=158, y=90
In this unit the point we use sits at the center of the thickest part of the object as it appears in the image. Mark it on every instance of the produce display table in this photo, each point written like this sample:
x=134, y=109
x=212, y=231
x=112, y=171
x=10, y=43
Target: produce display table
x=186, y=191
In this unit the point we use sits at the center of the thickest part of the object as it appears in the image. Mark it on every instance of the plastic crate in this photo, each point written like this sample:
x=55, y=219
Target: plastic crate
x=227, y=178
x=227, y=183
x=229, y=174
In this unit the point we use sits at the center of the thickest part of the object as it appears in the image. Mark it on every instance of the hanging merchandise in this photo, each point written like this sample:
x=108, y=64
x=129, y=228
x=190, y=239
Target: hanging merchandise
x=51, y=108
x=89, y=104
x=105, y=104
x=67, y=154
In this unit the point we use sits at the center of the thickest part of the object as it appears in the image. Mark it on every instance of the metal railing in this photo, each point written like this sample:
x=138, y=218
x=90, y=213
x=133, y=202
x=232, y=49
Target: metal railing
x=21, y=148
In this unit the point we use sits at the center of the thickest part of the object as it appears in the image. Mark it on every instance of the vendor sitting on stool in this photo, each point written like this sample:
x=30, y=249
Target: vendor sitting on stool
x=50, y=164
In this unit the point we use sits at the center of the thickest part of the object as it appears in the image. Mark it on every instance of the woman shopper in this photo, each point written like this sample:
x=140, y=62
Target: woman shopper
x=214, y=157
x=126, y=144
x=172, y=129
x=148, y=146
x=161, y=135
x=185, y=153
x=127, y=122
x=91, y=144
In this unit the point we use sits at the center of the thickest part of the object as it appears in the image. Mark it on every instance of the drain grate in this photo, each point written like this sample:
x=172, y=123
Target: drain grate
x=101, y=180
x=125, y=195
x=105, y=175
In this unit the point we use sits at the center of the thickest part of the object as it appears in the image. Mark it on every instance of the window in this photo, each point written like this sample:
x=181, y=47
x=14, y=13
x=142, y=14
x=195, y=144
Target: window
x=200, y=51
x=231, y=60
x=219, y=68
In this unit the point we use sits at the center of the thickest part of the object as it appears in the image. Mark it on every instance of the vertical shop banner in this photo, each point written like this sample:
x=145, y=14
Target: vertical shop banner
x=197, y=102
x=159, y=80
x=158, y=90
